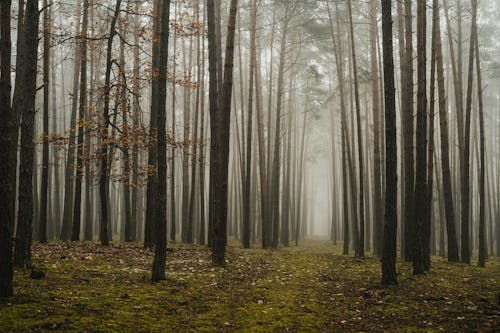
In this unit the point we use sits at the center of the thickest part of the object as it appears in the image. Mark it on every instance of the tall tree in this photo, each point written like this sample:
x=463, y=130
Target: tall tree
x=377, y=128
x=465, y=250
x=482, y=166
x=408, y=134
x=69, y=171
x=75, y=234
x=152, y=158
x=360, y=247
x=24, y=102
x=246, y=194
x=389, y=253
x=105, y=161
x=159, y=260
x=7, y=145
x=275, y=179
x=42, y=232
x=421, y=141
x=219, y=126
x=445, y=153
x=430, y=148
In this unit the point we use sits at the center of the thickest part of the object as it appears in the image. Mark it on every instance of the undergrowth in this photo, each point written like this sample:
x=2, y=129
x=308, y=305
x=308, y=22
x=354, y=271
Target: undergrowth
x=310, y=288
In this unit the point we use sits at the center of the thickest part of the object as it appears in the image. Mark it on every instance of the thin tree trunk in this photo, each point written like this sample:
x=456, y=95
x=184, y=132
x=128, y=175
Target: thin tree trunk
x=42, y=232
x=360, y=248
x=75, y=234
x=7, y=148
x=408, y=135
x=482, y=167
x=159, y=260
x=219, y=126
x=104, y=172
x=69, y=172
x=152, y=160
x=389, y=253
x=24, y=102
x=445, y=155
x=246, y=196
x=430, y=148
x=377, y=127
x=465, y=186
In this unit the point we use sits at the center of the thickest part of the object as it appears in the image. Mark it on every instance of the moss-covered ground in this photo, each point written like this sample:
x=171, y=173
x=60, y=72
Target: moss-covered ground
x=311, y=288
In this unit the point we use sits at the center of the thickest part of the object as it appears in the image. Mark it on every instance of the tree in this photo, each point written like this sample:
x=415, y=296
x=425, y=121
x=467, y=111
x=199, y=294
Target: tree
x=482, y=166
x=104, y=170
x=75, y=234
x=24, y=102
x=251, y=70
x=360, y=246
x=42, y=232
x=219, y=128
x=389, y=253
x=377, y=128
x=465, y=250
x=69, y=171
x=158, y=269
x=152, y=158
x=408, y=134
x=445, y=153
x=421, y=143
x=275, y=179
x=7, y=145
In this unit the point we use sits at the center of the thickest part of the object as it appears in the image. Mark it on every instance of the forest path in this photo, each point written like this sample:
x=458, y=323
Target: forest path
x=309, y=288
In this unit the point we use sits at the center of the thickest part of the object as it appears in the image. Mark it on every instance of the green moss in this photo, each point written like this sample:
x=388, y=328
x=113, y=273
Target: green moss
x=311, y=288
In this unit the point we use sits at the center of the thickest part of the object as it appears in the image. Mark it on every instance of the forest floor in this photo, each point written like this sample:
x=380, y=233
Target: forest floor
x=311, y=288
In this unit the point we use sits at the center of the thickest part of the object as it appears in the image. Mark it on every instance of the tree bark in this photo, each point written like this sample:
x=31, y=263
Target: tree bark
x=360, y=247
x=75, y=234
x=152, y=158
x=219, y=126
x=7, y=146
x=389, y=253
x=42, y=232
x=408, y=135
x=482, y=167
x=26, y=99
x=104, y=172
x=159, y=260
x=465, y=250
x=445, y=153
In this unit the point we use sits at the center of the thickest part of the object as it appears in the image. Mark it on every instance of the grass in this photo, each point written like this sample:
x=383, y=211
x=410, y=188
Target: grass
x=311, y=288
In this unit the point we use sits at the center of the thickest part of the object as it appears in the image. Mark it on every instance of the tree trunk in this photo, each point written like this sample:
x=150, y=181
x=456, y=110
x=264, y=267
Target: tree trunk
x=251, y=70
x=360, y=248
x=69, y=172
x=136, y=92
x=104, y=172
x=408, y=135
x=159, y=260
x=389, y=253
x=421, y=143
x=465, y=186
x=275, y=179
x=7, y=146
x=430, y=149
x=26, y=99
x=377, y=127
x=445, y=159
x=42, y=232
x=75, y=235
x=482, y=167
x=219, y=126
x=152, y=159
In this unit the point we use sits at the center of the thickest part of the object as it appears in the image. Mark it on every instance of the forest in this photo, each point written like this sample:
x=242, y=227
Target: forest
x=249, y=166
